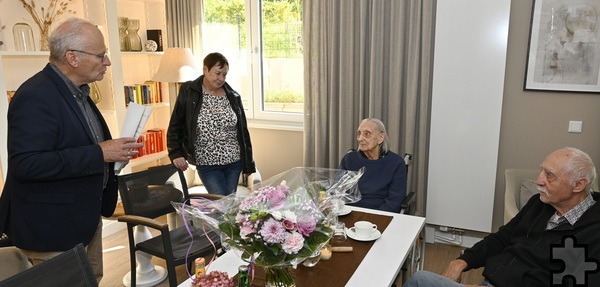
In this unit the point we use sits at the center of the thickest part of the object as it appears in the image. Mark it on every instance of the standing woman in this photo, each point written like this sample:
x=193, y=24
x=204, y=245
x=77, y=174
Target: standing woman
x=208, y=129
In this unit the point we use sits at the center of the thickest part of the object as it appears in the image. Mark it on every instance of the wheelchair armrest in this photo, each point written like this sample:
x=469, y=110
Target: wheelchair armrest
x=407, y=202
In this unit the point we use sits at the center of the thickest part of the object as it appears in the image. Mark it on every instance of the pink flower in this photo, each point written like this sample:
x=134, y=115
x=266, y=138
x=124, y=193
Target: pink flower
x=273, y=231
x=288, y=224
x=276, y=198
x=214, y=279
x=247, y=228
x=293, y=243
x=306, y=225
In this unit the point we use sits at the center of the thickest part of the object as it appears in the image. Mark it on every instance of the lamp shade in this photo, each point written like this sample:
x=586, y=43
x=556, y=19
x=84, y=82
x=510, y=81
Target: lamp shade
x=177, y=65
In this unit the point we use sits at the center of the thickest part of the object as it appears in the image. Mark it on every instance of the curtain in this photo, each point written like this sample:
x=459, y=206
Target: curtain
x=368, y=59
x=184, y=29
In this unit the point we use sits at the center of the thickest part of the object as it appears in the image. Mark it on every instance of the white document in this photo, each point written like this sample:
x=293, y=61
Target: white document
x=133, y=126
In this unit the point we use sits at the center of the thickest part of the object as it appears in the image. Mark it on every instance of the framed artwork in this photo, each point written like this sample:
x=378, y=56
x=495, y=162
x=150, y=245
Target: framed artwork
x=564, y=46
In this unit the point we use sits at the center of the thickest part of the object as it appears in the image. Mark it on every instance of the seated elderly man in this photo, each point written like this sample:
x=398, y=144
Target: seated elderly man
x=383, y=185
x=563, y=219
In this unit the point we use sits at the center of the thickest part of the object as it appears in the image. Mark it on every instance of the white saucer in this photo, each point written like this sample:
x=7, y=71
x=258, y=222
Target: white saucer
x=374, y=235
x=345, y=211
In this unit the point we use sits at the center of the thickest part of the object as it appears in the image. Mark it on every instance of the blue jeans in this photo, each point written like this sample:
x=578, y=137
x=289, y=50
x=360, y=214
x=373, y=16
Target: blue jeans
x=220, y=179
x=429, y=279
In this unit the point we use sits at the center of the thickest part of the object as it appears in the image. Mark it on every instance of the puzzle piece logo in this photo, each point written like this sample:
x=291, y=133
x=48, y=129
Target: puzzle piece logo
x=576, y=264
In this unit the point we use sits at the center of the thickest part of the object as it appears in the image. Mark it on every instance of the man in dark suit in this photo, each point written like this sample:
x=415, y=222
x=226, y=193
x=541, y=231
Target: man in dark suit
x=61, y=156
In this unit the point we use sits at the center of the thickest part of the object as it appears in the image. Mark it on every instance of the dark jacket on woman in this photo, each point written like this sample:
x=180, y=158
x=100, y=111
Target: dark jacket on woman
x=524, y=253
x=181, y=134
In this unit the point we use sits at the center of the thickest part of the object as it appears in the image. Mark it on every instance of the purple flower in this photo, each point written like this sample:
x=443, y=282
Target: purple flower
x=306, y=225
x=293, y=243
x=276, y=198
x=273, y=231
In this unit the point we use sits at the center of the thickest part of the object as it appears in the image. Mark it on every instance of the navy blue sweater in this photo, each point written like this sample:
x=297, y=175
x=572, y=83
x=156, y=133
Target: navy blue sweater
x=383, y=185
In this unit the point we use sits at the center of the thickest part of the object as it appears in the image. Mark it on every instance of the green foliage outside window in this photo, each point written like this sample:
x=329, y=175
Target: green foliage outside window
x=283, y=96
x=282, y=24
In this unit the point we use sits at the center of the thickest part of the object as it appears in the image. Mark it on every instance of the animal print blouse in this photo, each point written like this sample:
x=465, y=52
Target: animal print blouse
x=216, y=143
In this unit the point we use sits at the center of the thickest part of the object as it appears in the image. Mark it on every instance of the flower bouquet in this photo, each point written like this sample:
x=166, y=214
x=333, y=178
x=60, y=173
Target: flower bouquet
x=285, y=220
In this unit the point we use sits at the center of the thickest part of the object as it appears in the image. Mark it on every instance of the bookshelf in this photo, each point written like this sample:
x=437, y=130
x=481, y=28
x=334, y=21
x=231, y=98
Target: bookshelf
x=127, y=68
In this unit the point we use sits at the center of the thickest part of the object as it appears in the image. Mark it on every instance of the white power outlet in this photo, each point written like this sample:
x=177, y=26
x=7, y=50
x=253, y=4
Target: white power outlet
x=575, y=126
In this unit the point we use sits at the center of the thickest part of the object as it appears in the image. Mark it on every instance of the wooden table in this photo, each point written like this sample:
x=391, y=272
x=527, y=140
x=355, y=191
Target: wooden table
x=380, y=265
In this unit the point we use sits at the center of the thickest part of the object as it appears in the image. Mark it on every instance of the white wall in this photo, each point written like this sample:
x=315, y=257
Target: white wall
x=468, y=80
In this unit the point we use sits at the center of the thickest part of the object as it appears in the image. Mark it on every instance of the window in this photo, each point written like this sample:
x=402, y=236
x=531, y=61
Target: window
x=262, y=41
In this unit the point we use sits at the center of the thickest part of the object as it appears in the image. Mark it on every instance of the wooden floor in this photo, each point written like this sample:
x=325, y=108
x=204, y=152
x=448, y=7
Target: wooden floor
x=438, y=255
x=116, y=261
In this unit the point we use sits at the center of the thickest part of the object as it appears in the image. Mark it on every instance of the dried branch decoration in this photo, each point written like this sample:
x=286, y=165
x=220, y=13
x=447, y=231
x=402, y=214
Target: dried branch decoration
x=47, y=17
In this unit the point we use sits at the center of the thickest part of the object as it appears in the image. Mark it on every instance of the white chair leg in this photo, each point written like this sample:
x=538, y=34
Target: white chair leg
x=147, y=273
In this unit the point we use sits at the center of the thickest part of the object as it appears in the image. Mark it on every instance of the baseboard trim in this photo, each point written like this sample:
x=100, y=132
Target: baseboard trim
x=464, y=238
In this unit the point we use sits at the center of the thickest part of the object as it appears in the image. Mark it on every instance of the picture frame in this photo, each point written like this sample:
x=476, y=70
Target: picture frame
x=564, y=46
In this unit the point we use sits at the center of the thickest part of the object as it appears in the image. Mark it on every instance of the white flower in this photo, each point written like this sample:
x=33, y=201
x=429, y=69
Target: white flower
x=277, y=215
x=290, y=215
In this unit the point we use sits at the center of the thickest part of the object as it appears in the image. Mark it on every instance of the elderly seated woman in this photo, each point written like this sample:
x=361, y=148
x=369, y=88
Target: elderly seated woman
x=383, y=185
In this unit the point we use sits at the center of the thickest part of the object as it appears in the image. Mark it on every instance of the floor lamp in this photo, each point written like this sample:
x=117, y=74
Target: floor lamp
x=177, y=65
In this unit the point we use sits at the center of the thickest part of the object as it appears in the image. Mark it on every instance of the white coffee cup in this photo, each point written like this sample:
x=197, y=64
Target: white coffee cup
x=364, y=229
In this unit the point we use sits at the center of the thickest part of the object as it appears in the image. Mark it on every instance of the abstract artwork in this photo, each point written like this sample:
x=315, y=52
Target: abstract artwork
x=564, y=46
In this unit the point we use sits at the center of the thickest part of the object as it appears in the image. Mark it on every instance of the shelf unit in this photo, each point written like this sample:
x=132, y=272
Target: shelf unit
x=127, y=68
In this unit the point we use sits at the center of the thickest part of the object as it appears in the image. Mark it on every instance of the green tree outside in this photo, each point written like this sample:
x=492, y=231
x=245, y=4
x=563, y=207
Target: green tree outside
x=281, y=28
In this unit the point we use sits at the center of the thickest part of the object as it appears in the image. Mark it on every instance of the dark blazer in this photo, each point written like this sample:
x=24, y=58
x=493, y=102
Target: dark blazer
x=53, y=196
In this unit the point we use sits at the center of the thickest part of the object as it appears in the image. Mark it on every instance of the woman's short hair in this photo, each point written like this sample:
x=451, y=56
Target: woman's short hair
x=213, y=59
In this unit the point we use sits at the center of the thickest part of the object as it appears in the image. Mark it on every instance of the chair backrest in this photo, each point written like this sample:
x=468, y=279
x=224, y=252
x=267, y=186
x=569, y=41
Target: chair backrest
x=519, y=186
x=149, y=193
x=71, y=268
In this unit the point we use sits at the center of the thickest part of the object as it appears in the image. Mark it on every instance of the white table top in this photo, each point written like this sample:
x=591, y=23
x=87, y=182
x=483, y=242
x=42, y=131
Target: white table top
x=385, y=258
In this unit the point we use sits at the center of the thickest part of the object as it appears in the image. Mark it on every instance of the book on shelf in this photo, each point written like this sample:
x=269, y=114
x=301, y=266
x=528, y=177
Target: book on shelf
x=133, y=126
x=147, y=93
x=153, y=140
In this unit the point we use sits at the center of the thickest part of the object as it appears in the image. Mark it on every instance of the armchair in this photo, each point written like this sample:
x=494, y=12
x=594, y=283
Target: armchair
x=147, y=195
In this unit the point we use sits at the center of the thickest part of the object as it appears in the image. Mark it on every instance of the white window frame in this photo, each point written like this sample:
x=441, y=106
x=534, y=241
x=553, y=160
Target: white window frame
x=255, y=114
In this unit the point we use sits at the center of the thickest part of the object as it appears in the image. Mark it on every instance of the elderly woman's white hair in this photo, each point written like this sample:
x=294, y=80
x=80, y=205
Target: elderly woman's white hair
x=384, y=145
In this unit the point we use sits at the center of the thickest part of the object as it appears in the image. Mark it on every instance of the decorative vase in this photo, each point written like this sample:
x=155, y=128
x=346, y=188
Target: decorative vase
x=279, y=276
x=123, y=41
x=44, y=36
x=23, y=36
x=135, y=42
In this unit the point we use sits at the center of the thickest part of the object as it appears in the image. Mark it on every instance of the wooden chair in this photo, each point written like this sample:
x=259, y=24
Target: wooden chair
x=147, y=195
